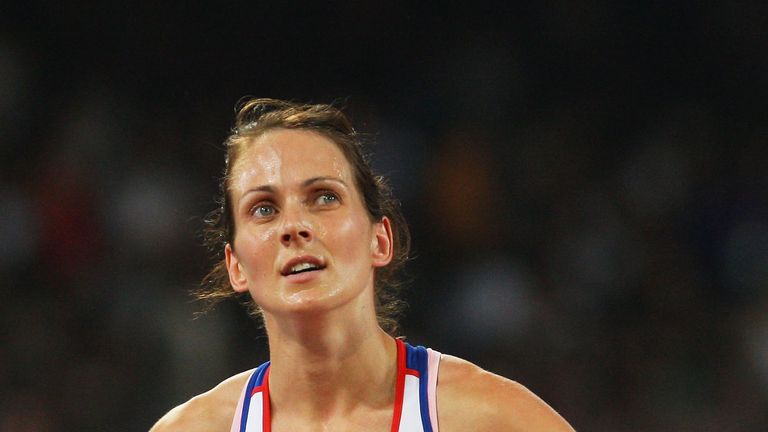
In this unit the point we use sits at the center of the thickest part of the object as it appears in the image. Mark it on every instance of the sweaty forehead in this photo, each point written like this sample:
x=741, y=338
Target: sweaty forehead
x=285, y=157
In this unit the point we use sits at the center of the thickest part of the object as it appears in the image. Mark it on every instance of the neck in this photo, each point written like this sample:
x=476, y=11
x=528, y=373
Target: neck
x=345, y=357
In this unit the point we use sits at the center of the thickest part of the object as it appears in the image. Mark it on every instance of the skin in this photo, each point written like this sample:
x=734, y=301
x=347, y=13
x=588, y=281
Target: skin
x=294, y=196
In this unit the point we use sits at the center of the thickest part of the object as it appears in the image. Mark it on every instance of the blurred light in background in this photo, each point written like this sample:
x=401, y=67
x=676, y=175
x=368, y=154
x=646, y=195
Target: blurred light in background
x=585, y=184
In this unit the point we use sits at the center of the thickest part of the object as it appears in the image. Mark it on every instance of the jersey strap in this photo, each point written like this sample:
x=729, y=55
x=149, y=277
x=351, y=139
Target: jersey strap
x=419, y=376
x=415, y=391
x=252, y=414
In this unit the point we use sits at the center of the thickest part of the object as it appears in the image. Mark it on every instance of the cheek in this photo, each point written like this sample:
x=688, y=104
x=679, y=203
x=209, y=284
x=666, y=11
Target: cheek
x=353, y=237
x=254, y=250
x=267, y=235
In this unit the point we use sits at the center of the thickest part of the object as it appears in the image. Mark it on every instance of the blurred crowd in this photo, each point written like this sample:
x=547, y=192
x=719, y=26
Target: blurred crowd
x=586, y=186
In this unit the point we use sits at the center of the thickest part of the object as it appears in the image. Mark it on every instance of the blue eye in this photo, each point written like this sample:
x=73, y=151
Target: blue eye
x=263, y=210
x=327, y=198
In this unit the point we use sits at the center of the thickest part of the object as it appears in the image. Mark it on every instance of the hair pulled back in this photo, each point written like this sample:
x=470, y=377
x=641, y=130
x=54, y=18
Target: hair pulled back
x=255, y=117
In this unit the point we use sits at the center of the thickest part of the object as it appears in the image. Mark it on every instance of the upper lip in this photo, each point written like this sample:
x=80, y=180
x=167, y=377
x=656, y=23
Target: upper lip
x=286, y=269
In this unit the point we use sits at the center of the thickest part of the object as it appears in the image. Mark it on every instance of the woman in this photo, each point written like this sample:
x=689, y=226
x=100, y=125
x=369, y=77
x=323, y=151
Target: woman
x=314, y=238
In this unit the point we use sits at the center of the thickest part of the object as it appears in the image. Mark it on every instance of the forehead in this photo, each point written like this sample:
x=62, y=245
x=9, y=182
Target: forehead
x=284, y=155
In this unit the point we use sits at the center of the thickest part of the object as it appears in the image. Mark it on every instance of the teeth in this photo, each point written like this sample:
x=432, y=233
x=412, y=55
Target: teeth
x=302, y=267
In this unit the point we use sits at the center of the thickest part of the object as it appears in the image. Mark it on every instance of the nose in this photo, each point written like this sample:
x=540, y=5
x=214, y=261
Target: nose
x=292, y=235
x=296, y=229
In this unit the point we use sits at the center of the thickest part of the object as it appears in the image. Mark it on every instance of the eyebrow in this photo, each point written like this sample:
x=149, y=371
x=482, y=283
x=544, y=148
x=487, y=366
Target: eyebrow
x=312, y=180
x=265, y=188
x=305, y=183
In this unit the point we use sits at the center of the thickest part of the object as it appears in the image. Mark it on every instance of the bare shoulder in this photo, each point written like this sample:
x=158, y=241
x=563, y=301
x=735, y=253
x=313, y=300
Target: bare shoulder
x=470, y=398
x=210, y=411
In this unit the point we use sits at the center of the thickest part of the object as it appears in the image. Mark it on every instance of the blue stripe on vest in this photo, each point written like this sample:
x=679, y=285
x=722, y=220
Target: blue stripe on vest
x=256, y=379
x=417, y=358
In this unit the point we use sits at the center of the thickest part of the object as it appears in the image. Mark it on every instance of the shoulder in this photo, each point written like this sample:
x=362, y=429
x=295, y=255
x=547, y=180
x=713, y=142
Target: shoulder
x=470, y=398
x=210, y=411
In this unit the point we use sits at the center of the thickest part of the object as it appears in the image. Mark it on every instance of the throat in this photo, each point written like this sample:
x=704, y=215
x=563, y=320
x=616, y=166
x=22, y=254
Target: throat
x=353, y=380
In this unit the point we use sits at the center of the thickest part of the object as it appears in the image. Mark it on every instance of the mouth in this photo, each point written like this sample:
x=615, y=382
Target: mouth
x=302, y=264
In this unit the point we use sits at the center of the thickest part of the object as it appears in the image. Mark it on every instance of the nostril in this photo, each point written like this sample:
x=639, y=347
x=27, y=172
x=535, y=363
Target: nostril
x=291, y=236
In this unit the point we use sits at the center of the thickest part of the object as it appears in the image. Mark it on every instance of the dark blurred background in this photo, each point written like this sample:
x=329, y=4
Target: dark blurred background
x=585, y=181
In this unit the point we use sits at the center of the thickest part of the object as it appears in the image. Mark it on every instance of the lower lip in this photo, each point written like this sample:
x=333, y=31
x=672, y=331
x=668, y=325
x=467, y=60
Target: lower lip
x=304, y=276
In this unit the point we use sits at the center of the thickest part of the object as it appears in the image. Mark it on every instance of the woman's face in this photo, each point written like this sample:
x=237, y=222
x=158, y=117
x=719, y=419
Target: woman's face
x=304, y=240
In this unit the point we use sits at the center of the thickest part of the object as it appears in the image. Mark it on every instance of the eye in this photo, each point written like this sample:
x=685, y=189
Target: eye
x=263, y=210
x=327, y=198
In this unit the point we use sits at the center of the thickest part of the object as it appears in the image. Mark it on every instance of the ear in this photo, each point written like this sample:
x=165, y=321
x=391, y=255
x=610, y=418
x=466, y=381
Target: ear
x=237, y=277
x=382, y=243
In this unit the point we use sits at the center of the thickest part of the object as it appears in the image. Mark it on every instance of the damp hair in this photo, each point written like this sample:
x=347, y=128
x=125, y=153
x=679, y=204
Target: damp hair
x=255, y=117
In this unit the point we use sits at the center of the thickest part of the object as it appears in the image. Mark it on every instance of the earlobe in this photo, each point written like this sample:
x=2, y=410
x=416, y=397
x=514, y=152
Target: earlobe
x=237, y=277
x=382, y=243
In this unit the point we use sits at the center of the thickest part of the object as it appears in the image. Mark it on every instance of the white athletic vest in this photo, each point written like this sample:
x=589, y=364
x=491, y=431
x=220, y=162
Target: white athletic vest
x=414, y=410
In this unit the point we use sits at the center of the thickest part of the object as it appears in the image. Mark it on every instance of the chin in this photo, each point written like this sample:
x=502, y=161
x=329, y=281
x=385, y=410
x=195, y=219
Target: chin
x=313, y=298
x=317, y=299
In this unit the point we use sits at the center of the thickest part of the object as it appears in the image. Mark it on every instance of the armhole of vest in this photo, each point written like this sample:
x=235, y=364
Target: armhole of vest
x=241, y=412
x=238, y=417
x=433, y=366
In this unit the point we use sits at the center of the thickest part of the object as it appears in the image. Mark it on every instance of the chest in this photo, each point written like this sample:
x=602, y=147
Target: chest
x=413, y=410
x=408, y=414
x=367, y=420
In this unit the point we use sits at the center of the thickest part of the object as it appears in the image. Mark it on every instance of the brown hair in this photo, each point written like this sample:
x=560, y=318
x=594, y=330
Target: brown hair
x=257, y=116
